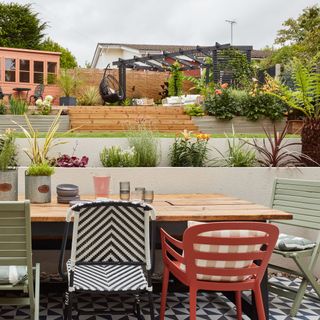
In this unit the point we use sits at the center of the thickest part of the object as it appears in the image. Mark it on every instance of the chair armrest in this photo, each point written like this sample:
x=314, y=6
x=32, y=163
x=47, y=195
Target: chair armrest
x=167, y=243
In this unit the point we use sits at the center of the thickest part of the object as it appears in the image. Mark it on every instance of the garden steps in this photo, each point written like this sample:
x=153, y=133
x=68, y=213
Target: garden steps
x=156, y=118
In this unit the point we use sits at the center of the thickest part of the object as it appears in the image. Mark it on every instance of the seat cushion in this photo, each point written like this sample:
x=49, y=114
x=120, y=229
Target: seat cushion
x=287, y=242
x=108, y=277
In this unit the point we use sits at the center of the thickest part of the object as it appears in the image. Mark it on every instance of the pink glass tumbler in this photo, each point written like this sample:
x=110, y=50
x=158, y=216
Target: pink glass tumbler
x=101, y=186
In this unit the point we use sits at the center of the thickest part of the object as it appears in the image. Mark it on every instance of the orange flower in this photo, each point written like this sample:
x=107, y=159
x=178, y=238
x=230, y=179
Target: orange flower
x=203, y=136
x=218, y=91
x=224, y=86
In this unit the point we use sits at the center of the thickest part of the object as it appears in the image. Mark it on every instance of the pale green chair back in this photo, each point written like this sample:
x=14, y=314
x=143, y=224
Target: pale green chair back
x=16, y=249
x=302, y=199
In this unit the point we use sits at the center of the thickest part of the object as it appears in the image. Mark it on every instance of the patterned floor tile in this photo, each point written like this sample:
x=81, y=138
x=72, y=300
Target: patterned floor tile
x=210, y=306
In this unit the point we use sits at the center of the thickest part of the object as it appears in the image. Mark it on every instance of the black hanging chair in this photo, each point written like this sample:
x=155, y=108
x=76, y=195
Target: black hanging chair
x=110, y=89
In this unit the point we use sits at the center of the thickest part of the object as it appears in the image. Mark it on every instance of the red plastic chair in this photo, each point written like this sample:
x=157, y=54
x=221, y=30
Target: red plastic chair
x=218, y=256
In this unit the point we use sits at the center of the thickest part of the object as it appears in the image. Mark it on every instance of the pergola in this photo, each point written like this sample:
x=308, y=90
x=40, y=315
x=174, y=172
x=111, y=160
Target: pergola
x=188, y=59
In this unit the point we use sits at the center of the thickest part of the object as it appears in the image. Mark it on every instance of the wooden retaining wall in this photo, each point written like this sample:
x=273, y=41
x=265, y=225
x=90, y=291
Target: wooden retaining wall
x=156, y=118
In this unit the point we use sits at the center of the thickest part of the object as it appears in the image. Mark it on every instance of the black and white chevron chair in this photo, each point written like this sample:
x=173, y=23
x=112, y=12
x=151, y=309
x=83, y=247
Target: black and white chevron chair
x=110, y=251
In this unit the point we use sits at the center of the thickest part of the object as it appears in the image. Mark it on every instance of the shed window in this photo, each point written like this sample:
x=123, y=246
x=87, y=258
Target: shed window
x=52, y=72
x=24, y=73
x=38, y=71
x=10, y=70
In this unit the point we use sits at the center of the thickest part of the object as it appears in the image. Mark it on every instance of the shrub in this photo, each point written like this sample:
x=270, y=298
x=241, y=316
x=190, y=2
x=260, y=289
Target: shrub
x=188, y=151
x=18, y=106
x=44, y=106
x=175, y=81
x=146, y=147
x=3, y=109
x=90, y=97
x=71, y=161
x=8, y=150
x=194, y=110
x=117, y=157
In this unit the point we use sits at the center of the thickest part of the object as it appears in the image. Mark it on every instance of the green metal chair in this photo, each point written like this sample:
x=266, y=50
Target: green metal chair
x=302, y=199
x=16, y=250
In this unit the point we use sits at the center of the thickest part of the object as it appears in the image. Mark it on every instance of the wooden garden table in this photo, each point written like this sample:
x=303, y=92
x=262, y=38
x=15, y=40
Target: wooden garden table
x=174, y=209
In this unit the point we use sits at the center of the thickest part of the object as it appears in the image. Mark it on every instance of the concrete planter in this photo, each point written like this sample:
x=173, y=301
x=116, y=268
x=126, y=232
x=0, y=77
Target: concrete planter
x=9, y=185
x=38, y=189
x=210, y=124
x=39, y=123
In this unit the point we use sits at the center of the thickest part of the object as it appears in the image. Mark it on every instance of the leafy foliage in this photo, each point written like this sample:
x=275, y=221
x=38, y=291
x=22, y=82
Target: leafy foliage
x=117, y=157
x=238, y=155
x=69, y=82
x=194, y=110
x=18, y=106
x=175, y=80
x=67, y=59
x=274, y=150
x=8, y=150
x=20, y=27
x=40, y=169
x=3, y=109
x=188, y=151
x=146, y=147
x=71, y=161
x=90, y=97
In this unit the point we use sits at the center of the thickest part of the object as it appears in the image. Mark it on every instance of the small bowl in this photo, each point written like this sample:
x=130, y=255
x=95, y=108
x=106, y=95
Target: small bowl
x=67, y=190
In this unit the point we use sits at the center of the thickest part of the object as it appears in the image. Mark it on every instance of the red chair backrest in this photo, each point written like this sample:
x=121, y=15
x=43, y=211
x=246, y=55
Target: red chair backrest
x=228, y=251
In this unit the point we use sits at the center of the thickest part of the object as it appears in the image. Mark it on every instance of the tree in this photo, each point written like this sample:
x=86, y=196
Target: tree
x=20, y=27
x=67, y=59
x=303, y=33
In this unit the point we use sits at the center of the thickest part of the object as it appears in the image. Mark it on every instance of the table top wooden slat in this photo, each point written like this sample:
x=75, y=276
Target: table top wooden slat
x=180, y=207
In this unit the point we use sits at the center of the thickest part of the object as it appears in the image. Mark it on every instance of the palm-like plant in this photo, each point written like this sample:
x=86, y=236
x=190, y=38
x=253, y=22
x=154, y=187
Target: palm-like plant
x=306, y=98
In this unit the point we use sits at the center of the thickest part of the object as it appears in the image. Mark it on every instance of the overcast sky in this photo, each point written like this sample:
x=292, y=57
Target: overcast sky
x=80, y=24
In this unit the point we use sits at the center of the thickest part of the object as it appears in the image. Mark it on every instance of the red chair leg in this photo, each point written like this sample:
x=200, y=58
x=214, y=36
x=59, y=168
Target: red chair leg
x=193, y=303
x=238, y=305
x=259, y=304
x=165, y=281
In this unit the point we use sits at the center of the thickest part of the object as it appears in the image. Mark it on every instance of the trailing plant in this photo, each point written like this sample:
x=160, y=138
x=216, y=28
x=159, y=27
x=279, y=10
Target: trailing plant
x=194, y=110
x=118, y=157
x=237, y=155
x=71, y=161
x=44, y=106
x=41, y=169
x=189, y=151
x=8, y=150
x=146, y=147
x=274, y=152
x=175, y=80
x=90, y=97
x=18, y=106
x=69, y=83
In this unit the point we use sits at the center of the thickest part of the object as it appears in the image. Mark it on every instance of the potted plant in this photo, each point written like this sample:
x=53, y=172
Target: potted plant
x=8, y=171
x=38, y=174
x=69, y=84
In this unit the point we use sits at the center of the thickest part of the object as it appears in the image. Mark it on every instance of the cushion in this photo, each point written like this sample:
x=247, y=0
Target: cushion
x=225, y=248
x=12, y=274
x=287, y=242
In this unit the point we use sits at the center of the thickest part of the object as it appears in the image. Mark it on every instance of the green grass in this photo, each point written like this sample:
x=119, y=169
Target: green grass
x=126, y=134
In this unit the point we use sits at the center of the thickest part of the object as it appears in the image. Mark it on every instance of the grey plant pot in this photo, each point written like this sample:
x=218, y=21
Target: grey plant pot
x=68, y=101
x=9, y=185
x=38, y=189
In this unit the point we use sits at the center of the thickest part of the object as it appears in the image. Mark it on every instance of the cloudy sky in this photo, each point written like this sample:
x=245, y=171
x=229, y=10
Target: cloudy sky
x=80, y=24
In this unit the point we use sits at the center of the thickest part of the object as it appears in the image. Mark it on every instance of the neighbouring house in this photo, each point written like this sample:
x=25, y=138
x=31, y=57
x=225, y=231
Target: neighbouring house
x=24, y=68
x=106, y=53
